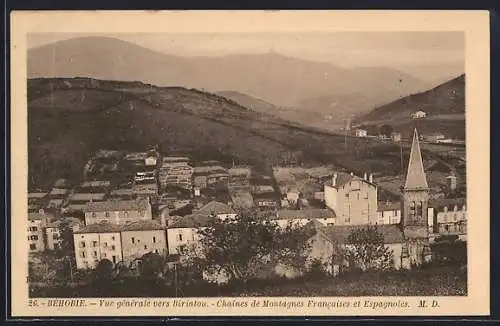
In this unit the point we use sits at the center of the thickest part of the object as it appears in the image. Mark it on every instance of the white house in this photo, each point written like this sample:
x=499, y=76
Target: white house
x=361, y=133
x=118, y=211
x=184, y=231
x=418, y=115
x=219, y=210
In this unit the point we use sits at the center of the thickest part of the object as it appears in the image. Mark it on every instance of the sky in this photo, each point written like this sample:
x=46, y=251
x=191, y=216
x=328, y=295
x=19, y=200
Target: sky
x=426, y=55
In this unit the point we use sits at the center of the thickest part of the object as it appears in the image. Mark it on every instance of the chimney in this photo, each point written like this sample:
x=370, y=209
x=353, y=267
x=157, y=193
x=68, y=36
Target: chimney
x=371, y=178
x=334, y=179
x=196, y=192
x=365, y=177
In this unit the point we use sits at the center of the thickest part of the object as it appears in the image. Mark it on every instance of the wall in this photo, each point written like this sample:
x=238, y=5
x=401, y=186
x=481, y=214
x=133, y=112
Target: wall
x=144, y=242
x=415, y=196
x=110, y=247
x=189, y=235
x=118, y=217
x=53, y=238
x=98, y=246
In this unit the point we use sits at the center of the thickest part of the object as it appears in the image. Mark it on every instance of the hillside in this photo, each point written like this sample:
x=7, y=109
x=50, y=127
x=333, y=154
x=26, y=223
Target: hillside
x=286, y=113
x=277, y=79
x=71, y=118
x=444, y=106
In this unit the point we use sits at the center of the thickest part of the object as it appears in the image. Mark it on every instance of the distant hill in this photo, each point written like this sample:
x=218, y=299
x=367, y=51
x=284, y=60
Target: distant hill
x=286, y=113
x=70, y=118
x=444, y=106
x=274, y=78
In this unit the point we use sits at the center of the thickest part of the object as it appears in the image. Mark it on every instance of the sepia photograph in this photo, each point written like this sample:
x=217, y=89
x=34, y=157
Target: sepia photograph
x=233, y=164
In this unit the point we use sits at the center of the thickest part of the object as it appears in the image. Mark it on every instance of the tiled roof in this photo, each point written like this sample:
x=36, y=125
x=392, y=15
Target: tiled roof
x=288, y=214
x=216, y=208
x=97, y=183
x=415, y=176
x=87, y=196
x=70, y=220
x=142, y=226
x=340, y=233
x=191, y=221
x=38, y=216
x=36, y=195
x=447, y=202
x=383, y=206
x=117, y=205
x=103, y=227
x=344, y=178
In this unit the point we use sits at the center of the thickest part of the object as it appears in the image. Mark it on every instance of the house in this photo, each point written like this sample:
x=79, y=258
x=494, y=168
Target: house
x=141, y=237
x=53, y=231
x=390, y=213
x=418, y=115
x=78, y=201
x=301, y=217
x=329, y=243
x=96, y=242
x=435, y=137
x=396, y=136
x=184, y=231
x=293, y=196
x=361, y=133
x=35, y=230
x=352, y=198
x=118, y=211
x=451, y=217
x=219, y=210
x=150, y=160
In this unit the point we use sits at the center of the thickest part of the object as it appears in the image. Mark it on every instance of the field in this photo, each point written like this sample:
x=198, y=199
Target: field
x=435, y=281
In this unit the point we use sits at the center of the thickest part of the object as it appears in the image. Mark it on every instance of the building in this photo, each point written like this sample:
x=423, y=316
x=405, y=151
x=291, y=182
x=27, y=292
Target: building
x=451, y=181
x=361, y=133
x=353, y=199
x=451, y=217
x=329, y=243
x=408, y=240
x=301, y=217
x=390, y=213
x=142, y=237
x=96, y=242
x=118, y=211
x=415, y=201
x=418, y=115
x=184, y=231
x=435, y=137
x=35, y=230
x=53, y=231
x=78, y=200
x=219, y=210
x=396, y=137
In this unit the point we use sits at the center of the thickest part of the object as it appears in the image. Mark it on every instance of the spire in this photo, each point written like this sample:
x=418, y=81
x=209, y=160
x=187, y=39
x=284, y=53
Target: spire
x=415, y=176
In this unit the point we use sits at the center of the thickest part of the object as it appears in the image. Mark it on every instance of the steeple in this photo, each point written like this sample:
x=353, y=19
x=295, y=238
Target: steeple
x=415, y=176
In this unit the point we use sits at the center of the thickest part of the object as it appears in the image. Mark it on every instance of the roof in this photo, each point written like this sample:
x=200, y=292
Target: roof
x=97, y=183
x=58, y=191
x=38, y=216
x=36, y=195
x=314, y=213
x=216, y=208
x=70, y=220
x=340, y=233
x=117, y=205
x=447, y=202
x=103, y=227
x=343, y=178
x=87, y=196
x=387, y=206
x=415, y=176
x=191, y=221
x=147, y=225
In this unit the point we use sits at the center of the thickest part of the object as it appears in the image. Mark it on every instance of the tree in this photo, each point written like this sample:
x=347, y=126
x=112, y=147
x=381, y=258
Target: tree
x=241, y=248
x=386, y=130
x=366, y=249
x=151, y=265
x=104, y=271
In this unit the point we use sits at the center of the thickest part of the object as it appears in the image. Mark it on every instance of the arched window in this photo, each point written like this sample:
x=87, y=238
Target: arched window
x=419, y=209
x=412, y=210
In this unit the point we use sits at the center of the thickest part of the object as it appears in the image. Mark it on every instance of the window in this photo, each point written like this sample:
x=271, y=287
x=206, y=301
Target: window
x=156, y=251
x=113, y=238
x=145, y=247
x=94, y=214
x=104, y=255
x=125, y=214
x=94, y=254
x=106, y=214
x=419, y=209
x=94, y=243
x=358, y=195
x=55, y=236
x=114, y=259
x=133, y=240
x=412, y=210
x=180, y=237
x=347, y=195
x=33, y=229
x=32, y=246
x=105, y=244
x=348, y=220
x=154, y=239
x=82, y=244
x=82, y=254
x=113, y=247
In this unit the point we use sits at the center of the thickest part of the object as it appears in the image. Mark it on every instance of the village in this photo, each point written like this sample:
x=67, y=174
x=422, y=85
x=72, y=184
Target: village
x=129, y=205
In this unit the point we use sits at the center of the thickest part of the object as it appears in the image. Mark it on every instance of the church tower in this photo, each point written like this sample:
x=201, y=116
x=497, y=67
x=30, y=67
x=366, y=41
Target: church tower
x=414, y=202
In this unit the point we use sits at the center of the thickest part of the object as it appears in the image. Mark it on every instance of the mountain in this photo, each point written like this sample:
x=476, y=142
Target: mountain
x=444, y=106
x=70, y=118
x=286, y=113
x=274, y=78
